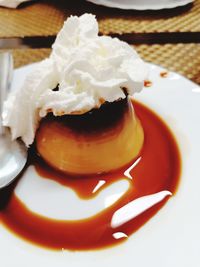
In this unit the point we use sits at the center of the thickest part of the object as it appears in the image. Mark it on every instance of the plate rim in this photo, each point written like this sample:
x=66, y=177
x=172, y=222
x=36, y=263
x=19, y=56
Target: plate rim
x=133, y=6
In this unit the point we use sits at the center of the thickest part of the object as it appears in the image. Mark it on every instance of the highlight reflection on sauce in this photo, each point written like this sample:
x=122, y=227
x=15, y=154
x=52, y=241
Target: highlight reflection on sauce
x=153, y=178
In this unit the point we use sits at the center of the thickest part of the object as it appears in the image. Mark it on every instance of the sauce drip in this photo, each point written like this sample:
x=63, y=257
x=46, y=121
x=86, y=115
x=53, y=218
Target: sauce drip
x=158, y=169
x=164, y=74
x=147, y=83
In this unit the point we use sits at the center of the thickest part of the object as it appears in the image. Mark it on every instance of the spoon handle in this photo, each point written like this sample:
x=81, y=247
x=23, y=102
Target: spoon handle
x=6, y=72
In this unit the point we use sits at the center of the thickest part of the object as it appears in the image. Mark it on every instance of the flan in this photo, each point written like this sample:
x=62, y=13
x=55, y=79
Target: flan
x=101, y=140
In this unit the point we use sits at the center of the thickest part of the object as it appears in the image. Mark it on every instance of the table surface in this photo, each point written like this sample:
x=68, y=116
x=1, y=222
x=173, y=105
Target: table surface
x=170, y=38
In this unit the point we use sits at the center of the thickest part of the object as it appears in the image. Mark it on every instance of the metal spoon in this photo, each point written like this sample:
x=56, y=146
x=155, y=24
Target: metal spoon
x=13, y=154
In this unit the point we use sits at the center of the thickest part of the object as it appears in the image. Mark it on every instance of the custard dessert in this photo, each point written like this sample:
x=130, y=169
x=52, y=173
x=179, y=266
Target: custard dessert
x=77, y=110
x=75, y=105
x=100, y=140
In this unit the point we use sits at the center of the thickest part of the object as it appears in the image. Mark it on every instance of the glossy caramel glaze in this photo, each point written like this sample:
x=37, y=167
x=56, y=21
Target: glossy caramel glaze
x=157, y=170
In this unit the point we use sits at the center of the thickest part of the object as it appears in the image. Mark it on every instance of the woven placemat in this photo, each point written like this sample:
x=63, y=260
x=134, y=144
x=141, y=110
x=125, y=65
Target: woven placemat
x=45, y=17
x=182, y=58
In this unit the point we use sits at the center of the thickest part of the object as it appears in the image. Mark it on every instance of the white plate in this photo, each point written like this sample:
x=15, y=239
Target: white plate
x=172, y=236
x=141, y=4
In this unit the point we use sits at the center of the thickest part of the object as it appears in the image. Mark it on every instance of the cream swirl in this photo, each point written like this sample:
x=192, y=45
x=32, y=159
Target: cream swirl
x=86, y=70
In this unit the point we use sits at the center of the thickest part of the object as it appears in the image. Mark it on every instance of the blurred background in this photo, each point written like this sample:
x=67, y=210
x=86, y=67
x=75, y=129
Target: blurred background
x=169, y=37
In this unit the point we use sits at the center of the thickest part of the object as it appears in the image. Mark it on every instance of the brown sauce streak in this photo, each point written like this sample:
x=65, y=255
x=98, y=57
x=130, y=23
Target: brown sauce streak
x=158, y=169
x=164, y=74
x=147, y=83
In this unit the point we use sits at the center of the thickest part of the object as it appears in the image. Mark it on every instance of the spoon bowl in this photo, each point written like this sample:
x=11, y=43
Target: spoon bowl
x=13, y=154
x=13, y=157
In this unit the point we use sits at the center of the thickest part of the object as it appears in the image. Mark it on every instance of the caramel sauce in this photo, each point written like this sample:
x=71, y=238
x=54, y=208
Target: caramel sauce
x=164, y=74
x=147, y=83
x=157, y=170
x=84, y=186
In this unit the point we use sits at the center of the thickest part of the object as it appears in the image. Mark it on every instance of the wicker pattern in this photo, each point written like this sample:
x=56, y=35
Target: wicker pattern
x=182, y=58
x=31, y=19
x=26, y=56
x=186, y=19
x=45, y=17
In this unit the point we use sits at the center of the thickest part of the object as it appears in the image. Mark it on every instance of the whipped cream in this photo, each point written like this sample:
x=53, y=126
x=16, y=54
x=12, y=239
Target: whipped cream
x=86, y=70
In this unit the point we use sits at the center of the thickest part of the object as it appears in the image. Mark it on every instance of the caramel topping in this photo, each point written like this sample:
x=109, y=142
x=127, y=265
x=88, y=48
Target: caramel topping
x=164, y=74
x=147, y=83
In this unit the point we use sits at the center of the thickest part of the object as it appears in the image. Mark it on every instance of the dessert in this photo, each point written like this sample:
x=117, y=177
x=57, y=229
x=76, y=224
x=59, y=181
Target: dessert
x=86, y=80
x=156, y=170
x=85, y=135
x=99, y=141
